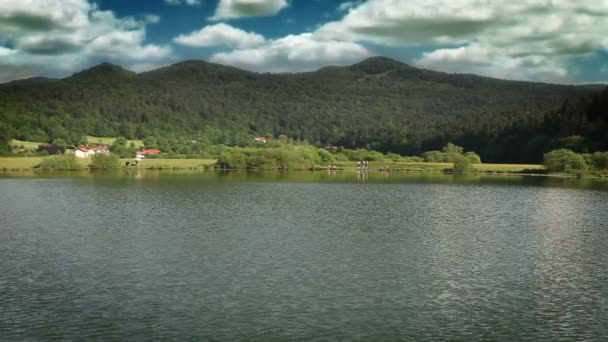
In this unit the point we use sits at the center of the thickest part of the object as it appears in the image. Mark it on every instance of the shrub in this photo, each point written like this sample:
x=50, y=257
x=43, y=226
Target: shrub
x=340, y=157
x=598, y=160
x=452, y=149
x=361, y=154
x=102, y=161
x=434, y=157
x=59, y=162
x=565, y=161
x=394, y=157
x=232, y=159
x=462, y=163
x=281, y=157
x=473, y=157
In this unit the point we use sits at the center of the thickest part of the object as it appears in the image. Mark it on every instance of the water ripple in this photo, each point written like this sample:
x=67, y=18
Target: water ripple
x=97, y=260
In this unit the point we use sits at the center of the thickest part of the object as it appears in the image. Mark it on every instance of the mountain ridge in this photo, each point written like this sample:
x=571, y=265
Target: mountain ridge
x=378, y=103
x=369, y=65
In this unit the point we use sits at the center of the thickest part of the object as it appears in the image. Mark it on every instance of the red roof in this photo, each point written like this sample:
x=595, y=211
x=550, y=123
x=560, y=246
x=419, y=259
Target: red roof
x=83, y=149
x=148, y=151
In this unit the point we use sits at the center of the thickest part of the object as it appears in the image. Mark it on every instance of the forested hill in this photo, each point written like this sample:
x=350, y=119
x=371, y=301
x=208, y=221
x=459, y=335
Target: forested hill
x=379, y=103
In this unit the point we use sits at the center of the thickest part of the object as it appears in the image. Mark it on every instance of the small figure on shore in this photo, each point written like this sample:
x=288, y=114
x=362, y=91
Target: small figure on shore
x=358, y=164
x=331, y=170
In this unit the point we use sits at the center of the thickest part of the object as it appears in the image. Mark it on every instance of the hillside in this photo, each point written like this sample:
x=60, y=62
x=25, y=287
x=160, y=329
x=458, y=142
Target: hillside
x=379, y=102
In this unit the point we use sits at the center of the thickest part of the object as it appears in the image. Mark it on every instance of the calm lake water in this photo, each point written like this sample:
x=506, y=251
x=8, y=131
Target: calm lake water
x=302, y=256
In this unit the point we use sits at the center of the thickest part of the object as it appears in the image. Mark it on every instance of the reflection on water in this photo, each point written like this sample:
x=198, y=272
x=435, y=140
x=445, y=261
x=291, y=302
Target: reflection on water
x=302, y=256
x=323, y=176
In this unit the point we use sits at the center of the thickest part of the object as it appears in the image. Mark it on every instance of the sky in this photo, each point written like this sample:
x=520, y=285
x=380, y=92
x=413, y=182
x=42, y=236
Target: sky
x=557, y=41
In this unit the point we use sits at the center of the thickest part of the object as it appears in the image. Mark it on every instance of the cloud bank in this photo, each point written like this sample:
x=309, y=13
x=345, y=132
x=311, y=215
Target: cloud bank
x=56, y=37
x=234, y=9
x=294, y=53
x=532, y=39
x=220, y=35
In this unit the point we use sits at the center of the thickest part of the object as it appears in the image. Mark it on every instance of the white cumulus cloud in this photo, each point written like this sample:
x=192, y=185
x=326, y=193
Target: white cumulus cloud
x=234, y=9
x=533, y=39
x=294, y=53
x=220, y=35
x=60, y=36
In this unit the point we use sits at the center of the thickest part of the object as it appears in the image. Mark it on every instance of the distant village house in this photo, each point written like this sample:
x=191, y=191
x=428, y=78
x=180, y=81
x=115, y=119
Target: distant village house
x=86, y=152
x=144, y=153
x=261, y=139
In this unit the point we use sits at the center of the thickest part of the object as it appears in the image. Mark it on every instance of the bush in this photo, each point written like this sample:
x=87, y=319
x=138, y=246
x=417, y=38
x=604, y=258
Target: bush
x=282, y=157
x=361, y=154
x=394, y=157
x=565, y=161
x=59, y=162
x=473, y=157
x=434, y=157
x=597, y=160
x=452, y=149
x=340, y=157
x=120, y=148
x=103, y=161
x=462, y=163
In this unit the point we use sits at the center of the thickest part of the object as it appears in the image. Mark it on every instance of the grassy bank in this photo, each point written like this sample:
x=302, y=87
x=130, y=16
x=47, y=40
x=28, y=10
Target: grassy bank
x=29, y=163
x=23, y=163
x=174, y=163
x=406, y=166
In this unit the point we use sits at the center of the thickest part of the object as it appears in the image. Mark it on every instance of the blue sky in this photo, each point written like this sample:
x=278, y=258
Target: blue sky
x=559, y=41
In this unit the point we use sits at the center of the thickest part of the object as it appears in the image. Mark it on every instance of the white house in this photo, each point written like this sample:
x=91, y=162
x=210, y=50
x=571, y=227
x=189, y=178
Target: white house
x=84, y=152
x=143, y=153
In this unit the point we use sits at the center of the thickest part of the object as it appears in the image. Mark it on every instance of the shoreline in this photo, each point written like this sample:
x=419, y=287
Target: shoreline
x=5, y=171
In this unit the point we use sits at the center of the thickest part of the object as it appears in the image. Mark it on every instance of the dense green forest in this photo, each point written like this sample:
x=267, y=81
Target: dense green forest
x=377, y=104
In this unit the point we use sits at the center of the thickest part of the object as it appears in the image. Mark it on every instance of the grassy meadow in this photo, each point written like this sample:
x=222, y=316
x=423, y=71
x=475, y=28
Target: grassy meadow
x=29, y=163
x=25, y=145
x=109, y=141
x=33, y=145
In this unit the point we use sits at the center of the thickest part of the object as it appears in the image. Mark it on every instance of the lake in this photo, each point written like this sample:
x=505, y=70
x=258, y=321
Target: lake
x=299, y=256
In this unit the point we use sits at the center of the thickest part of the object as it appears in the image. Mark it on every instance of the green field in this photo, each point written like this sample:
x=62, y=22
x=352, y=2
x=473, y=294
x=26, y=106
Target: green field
x=28, y=163
x=24, y=163
x=108, y=141
x=33, y=145
x=508, y=167
x=25, y=145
